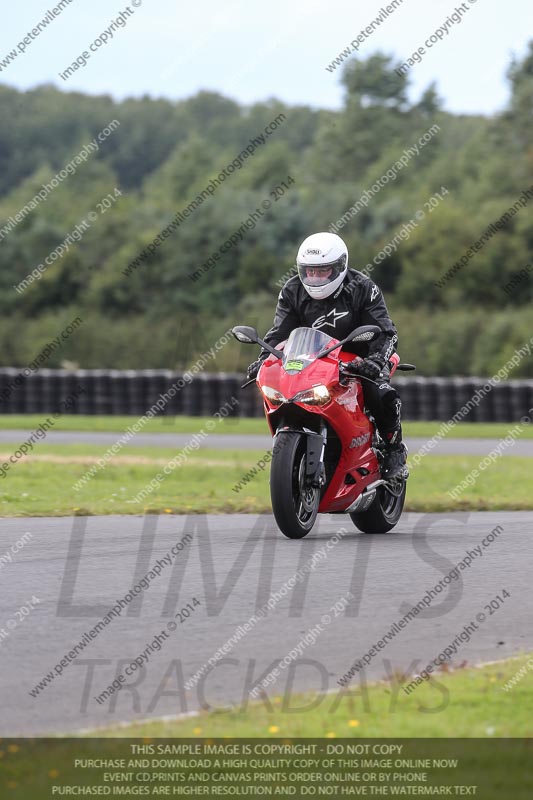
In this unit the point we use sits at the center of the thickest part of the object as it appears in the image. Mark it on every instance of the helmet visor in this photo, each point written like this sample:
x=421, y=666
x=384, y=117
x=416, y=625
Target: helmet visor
x=321, y=274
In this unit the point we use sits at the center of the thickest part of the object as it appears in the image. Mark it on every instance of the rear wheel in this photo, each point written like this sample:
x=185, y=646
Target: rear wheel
x=385, y=512
x=294, y=504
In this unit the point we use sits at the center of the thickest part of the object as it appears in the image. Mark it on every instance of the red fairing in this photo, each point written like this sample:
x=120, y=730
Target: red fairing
x=358, y=464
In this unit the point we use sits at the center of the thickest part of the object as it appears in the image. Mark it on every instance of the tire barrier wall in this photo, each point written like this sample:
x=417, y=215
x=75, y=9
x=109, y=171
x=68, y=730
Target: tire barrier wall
x=133, y=392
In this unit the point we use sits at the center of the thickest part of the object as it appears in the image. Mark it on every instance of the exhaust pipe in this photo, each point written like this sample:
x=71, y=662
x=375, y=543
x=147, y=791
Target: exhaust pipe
x=366, y=498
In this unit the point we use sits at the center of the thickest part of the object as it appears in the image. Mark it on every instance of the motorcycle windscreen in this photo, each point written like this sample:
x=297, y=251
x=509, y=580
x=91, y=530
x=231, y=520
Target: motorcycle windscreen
x=302, y=347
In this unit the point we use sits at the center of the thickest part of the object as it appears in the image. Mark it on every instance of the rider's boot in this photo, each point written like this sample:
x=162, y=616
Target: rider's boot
x=395, y=455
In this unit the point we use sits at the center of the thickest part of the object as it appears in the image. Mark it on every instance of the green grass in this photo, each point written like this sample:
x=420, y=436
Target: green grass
x=204, y=483
x=74, y=422
x=67, y=422
x=468, y=702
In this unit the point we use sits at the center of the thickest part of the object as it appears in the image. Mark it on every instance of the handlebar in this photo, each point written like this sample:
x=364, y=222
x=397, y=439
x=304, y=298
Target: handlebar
x=350, y=376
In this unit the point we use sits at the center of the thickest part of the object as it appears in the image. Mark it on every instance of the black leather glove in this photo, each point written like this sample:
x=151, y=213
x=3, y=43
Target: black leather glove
x=367, y=368
x=254, y=368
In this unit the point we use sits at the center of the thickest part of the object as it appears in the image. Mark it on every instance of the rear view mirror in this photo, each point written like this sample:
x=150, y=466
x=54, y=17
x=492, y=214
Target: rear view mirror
x=245, y=334
x=365, y=333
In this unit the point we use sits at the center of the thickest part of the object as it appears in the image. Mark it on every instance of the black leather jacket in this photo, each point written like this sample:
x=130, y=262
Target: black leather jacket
x=357, y=301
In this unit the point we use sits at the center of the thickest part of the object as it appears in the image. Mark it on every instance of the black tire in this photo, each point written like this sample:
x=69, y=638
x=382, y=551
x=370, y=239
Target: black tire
x=385, y=512
x=295, y=508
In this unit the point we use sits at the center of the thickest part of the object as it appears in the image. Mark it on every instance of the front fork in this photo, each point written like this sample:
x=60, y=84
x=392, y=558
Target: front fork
x=315, y=472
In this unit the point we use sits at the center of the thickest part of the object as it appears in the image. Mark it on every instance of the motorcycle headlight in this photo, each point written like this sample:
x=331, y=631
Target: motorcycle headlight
x=316, y=396
x=275, y=397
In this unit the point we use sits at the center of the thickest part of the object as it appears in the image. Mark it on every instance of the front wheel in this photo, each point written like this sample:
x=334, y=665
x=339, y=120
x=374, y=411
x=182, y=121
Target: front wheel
x=385, y=511
x=294, y=504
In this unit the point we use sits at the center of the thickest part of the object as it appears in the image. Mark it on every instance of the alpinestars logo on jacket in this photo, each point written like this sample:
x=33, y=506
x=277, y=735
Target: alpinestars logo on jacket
x=329, y=319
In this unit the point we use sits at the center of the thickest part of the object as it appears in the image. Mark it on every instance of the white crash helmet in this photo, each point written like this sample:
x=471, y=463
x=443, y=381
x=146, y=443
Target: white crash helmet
x=322, y=263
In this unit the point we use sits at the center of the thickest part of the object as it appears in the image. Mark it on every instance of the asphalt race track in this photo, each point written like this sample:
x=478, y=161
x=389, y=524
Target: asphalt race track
x=254, y=442
x=78, y=569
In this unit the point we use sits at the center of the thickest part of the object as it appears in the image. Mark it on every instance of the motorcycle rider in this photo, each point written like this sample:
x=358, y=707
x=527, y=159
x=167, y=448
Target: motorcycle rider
x=326, y=295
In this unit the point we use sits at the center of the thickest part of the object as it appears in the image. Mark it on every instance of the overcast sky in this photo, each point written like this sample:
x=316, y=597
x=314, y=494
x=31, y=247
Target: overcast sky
x=254, y=51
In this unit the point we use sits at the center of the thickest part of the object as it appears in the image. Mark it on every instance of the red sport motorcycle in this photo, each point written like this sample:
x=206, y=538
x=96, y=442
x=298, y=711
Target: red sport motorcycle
x=327, y=452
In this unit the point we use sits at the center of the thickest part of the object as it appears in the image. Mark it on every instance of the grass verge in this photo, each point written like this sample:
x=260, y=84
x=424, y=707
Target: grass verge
x=207, y=483
x=233, y=425
x=466, y=702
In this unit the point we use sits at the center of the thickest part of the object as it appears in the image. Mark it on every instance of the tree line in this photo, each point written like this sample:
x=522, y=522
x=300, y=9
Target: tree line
x=161, y=223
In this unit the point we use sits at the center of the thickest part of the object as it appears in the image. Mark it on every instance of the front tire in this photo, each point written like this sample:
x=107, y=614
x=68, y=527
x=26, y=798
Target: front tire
x=295, y=506
x=385, y=512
